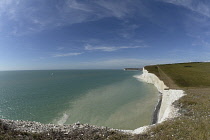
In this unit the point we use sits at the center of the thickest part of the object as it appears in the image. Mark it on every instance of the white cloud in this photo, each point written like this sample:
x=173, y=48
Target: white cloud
x=110, y=48
x=119, y=63
x=115, y=8
x=128, y=30
x=60, y=48
x=35, y=16
x=78, y=6
x=66, y=54
x=8, y=8
x=199, y=6
x=201, y=43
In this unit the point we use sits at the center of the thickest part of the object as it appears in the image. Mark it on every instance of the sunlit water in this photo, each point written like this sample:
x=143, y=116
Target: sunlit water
x=113, y=98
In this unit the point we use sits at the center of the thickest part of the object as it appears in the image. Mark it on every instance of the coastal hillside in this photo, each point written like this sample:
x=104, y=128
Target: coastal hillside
x=183, y=75
x=94, y=69
x=194, y=79
x=192, y=124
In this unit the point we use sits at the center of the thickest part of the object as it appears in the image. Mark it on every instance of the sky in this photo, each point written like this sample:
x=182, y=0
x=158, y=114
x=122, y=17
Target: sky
x=102, y=34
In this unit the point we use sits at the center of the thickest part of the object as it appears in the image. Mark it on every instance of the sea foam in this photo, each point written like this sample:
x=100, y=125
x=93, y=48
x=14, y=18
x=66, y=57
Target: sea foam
x=63, y=119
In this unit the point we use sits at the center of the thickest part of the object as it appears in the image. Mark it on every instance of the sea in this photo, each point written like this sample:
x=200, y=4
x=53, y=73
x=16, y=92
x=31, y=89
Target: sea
x=111, y=98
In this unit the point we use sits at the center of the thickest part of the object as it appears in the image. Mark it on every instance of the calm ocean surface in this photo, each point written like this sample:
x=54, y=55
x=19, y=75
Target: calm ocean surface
x=113, y=98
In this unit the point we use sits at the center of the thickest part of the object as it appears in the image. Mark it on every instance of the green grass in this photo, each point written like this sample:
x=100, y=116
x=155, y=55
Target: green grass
x=187, y=74
x=153, y=69
x=194, y=122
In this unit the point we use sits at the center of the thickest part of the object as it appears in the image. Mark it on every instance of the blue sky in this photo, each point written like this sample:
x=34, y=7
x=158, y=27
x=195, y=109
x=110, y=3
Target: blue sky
x=89, y=34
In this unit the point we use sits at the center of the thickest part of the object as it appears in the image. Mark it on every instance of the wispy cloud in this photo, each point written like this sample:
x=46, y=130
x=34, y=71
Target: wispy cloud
x=26, y=17
x=201, y=43
x=196, y=21
x=78, y=6
x=60, y=48
x=200, y=6
x=120, y=63
x=128, y=30
x=115, y=8
x=66, y=54
x=110, y=48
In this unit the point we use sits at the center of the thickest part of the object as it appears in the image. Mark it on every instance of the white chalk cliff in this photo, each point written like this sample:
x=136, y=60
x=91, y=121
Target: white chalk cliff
x=167, y=110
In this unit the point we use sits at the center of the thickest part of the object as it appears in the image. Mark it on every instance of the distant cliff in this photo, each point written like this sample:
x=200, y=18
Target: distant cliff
x=133, y=68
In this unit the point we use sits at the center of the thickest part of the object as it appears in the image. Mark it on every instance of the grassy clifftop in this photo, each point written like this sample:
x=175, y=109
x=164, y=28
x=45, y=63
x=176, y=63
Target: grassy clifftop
x=194, y=122
x=185, y=75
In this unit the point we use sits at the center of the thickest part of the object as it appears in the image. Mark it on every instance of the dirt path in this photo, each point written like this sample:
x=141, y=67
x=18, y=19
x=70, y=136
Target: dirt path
x=167, y=80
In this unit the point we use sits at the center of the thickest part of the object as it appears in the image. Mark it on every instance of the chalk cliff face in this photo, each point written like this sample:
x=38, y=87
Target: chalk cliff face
x=153, y=79
x=167, y=110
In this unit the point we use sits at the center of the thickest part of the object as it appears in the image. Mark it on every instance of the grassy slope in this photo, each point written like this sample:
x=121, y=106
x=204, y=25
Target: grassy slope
x=186, y=75
x=194, y=123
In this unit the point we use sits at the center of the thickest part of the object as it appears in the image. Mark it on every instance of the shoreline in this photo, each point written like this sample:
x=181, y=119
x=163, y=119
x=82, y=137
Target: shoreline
x=163, y=111
x=166, y=110
x=157, y=109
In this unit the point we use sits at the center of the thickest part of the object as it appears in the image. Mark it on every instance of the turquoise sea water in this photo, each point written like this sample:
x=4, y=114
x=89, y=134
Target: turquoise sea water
x=113, y=98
